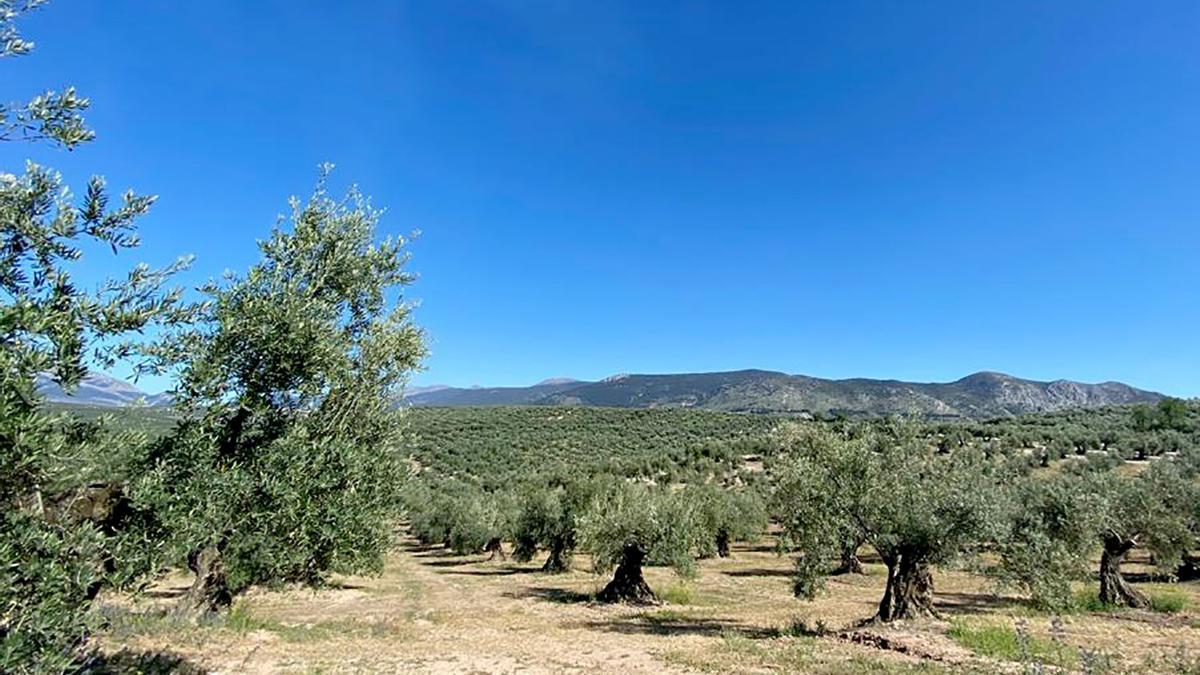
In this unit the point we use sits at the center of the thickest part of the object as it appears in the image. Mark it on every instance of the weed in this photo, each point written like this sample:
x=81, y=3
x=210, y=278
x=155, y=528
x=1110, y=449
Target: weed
x=679, y=593
x=1168, y=601
x=1011, y=644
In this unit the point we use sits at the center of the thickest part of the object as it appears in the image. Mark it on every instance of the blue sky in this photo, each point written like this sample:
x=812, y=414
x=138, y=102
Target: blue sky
x=879, y=189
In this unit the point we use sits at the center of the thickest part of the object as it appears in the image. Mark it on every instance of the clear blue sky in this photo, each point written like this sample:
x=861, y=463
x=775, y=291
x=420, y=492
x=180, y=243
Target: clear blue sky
x=897, y=190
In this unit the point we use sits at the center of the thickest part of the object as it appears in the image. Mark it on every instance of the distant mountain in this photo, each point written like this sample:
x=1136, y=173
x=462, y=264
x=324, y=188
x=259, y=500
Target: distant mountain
x=490, y=395
x=981, y=395
x=100, y=390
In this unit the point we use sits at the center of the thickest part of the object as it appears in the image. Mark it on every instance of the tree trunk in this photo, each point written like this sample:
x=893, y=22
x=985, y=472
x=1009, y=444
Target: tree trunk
x=909, y=592
x=723, y=543
x=627, y=584
x=850, y=563
x=496, y=548
x=210, y=591
x=1189, y=568
x=558, y=560
x=1114, y=590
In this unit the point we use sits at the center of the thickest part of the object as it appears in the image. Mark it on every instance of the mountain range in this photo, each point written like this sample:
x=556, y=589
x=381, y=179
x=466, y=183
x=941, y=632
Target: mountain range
x=978, y=396
x=99, y=389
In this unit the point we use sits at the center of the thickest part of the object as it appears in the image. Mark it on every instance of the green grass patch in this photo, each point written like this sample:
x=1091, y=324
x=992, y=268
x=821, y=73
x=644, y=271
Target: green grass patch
x=679, y=593
x=1088, y=600
x=1005, y=643
x=1168, y=601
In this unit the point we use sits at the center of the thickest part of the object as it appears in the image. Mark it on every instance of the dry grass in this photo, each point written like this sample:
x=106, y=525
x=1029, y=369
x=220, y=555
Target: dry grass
x=435, y=613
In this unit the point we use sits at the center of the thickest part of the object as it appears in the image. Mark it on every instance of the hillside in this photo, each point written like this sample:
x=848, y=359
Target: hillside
x=99, y=389
x=978, y=396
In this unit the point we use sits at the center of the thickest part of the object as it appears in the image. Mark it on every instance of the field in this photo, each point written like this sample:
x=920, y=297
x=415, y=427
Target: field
x=437, y=613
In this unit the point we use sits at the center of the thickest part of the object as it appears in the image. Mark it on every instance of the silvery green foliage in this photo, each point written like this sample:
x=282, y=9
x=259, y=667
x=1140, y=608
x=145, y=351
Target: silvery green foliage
x=725, y=515
x=51, y=561
x=1051, y=534
x=550, y=506
x=889, y=488
x=54, y=116
x=287, y=459
x=664, y=524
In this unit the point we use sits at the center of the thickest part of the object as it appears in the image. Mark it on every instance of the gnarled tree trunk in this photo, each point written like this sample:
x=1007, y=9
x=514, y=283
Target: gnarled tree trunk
x=850, y=564
x=559, y=559
x=210, y=591
x=496, y=548
x=909, y=592
x=627, y=584
x=1114, y=589
x=723, y=543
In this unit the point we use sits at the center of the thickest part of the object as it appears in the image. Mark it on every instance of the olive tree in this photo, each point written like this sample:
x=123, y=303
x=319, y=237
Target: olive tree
x=915, y=506
x=727, y=515
x=1153, y=509
x=629, y=525
x=53, y=558
x=1051, y=532
x=459, y=515
x=1057, y=521
x=285, y=465
x=548, y=516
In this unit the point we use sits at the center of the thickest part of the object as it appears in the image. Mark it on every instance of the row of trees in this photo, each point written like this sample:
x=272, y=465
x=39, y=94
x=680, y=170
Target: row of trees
x=495, y=445
x=284, y=464
x=835, y=488
x=624, y=524
x=886, y=486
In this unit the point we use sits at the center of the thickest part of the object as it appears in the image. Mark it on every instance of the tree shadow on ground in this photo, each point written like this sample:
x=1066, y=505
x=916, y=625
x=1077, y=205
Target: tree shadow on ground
x=1148, y=577
x=738, y=547
x=671, y=625
x=413, y=546
x=559, y=595
x=974, y=603
x=144, y=663
x=451, y=562
x=758, y=572
x=167, y=593
x=507, y=570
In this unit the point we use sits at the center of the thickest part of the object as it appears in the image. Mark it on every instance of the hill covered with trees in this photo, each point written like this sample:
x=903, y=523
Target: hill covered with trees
x=979, y=396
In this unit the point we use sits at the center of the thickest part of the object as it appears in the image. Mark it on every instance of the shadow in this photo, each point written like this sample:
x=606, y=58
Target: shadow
x=758, y=572
x=451, y=562
x=417, y=547
x=753, y=548
x=562, y=596
x=649, y=624
x=1148, y=577
x=495, y=571
x=143, y=663
x=970, y=603
x=167, y=593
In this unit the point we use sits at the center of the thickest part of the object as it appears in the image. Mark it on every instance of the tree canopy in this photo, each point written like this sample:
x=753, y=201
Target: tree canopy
x=286, y=463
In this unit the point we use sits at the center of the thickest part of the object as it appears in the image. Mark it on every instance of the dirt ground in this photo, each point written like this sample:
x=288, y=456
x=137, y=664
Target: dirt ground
x=431, y=612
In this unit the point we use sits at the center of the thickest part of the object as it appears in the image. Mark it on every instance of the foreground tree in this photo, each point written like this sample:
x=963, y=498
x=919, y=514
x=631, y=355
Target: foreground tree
x=915, y=506
x=284, y=468
x=53, y=558
x=630, y=525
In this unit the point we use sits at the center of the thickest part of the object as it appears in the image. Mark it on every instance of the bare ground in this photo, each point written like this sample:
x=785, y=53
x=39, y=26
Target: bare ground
x=430, y=612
